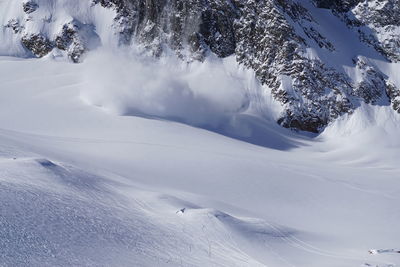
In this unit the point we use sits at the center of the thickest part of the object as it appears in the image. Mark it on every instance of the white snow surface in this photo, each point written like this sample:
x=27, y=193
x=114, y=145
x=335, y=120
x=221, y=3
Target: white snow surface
x=127, y=161
x=84, y=186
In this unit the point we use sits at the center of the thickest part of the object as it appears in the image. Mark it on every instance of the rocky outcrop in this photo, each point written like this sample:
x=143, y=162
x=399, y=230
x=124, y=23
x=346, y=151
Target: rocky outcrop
x=74, y=38
x=67, y=40
x=394, y=94
x=30, y=6
x=372, y=81
x=377, y=22
x=38, y=44
x=312, y=93
x=71, y=41
x=14, y=25
x=191, y=28
x=337, y=5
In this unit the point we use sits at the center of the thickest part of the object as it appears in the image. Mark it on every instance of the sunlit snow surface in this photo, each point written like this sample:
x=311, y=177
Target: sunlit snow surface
x=85, y=183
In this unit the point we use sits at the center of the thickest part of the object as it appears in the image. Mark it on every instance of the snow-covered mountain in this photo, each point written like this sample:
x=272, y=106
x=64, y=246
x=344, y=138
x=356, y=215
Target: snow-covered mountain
x=319, y=60
x=149, y=133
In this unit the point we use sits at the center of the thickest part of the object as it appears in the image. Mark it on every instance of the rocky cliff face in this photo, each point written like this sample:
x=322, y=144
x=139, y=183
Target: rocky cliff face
x=284, y=42
x=377, y=22
x=40, y=33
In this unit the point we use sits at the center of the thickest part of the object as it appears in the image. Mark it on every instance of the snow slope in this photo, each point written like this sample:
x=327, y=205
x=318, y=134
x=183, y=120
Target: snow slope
x=124, y=160
x=81, y=185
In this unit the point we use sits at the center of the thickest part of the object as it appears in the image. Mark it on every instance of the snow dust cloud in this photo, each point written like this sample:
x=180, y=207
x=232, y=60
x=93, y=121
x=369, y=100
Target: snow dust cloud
x=201, y=94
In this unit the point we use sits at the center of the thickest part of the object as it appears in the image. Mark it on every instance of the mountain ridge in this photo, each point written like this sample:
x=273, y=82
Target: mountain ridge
x=286, y=43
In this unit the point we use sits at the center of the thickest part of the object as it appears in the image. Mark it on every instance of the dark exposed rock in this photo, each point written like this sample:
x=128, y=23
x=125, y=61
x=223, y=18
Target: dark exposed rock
x=303, y=122
x=372, y=83
x=30, y=6
x=312, y=93
x=64, y=40
x=14, y=25
x=70, y=41
x=394, y=95
x=196, y=25
x=373, y=20
x=340, y=5
x=37, y=44
x=322, y=42
x=382, y=20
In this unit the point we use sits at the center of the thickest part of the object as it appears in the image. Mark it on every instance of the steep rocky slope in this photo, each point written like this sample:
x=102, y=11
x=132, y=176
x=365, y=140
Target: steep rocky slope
x=314, y=73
